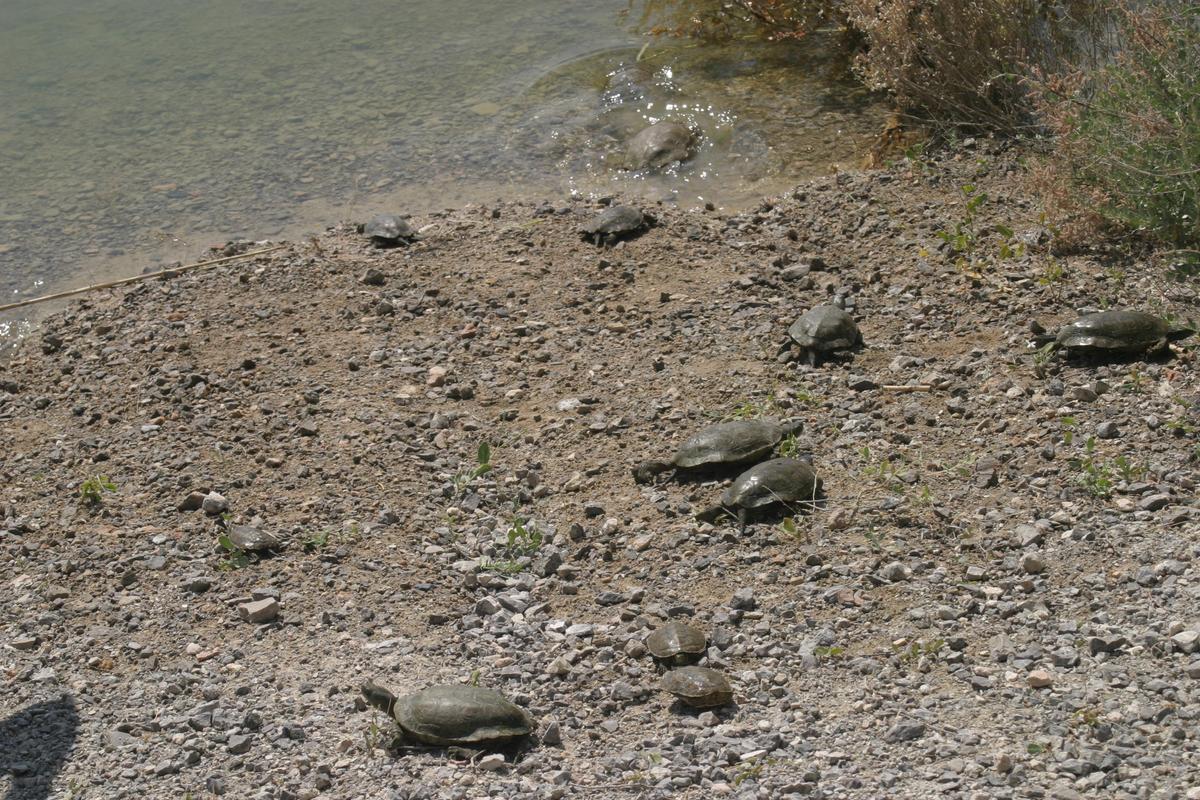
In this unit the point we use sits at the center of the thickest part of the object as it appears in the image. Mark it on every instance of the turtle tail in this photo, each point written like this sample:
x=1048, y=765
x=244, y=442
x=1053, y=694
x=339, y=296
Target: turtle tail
x=379, y=697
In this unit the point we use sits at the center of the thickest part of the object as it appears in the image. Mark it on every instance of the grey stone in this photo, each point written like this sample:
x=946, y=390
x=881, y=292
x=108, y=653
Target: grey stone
x=259, y=610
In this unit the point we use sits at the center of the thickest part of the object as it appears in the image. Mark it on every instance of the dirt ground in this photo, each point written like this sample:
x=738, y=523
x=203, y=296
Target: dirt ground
x=997, y=599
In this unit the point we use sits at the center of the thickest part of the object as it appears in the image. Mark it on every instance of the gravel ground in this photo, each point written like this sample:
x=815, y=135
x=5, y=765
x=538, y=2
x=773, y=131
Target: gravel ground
x=999, y=598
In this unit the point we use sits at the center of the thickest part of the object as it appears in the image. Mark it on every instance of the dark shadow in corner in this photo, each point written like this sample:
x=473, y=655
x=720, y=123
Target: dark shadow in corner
x=34, y=744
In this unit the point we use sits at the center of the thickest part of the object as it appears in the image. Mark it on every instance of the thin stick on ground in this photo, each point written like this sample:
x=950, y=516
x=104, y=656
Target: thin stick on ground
x=170, y=272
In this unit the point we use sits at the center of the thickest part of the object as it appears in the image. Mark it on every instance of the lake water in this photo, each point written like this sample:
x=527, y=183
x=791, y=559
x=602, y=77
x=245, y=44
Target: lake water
x=134, y=132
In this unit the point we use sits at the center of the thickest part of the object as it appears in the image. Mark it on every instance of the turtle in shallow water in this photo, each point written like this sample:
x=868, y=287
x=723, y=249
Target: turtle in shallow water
x=1114, y=333
x=660, y=144
x=389, y=230
x=729, y=443
x=614, y=223
x=453, y=715
x=676, y=644
x=824, y=330
x=780, y=480
x=698, y=687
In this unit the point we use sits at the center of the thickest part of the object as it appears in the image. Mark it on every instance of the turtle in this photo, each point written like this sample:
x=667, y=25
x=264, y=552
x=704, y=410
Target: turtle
x=780, y=480
x=614, y=223
x=676, y=644
x=729, y=443
x=658, y=145
x=453, y=715
x=1114, y=333
x=822, y=330
x=389, y=230
x=698, y=687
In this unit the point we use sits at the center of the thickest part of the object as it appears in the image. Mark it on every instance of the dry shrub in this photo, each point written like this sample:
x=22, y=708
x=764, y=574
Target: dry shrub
x=962, y=62
x=724, y=19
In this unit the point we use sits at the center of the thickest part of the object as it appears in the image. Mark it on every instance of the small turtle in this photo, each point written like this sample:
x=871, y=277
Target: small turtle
x=660, y=144
x=1113, y=333
x=453, y=715
x=738, y=442
x=822, y=330
x=388, y=230
x=780, y=480
x=250, y=539
x=614, y=223
x=676, y=644
x=698, y=687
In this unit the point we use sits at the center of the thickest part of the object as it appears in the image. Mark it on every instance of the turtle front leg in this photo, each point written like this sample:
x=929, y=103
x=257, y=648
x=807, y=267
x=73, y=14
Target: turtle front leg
x=743, y=515
x=810, y=355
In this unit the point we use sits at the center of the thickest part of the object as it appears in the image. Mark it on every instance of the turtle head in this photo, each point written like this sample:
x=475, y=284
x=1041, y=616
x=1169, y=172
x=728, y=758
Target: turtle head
x=645, y=472
x=1179, y=330
x=791, y=427
x=379, y=697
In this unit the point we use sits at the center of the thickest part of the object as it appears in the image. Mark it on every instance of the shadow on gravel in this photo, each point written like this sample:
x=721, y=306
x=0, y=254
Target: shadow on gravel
x=34, y=743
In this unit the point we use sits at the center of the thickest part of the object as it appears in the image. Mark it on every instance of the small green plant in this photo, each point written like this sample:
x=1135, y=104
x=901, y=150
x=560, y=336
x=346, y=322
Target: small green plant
x=92, y=490
x=831, y=653
x=1094, y=476
x=788, y=526
x=963, y=236
x=1035, y=748
x=506, y=567
x=1053, y=273
x=873, y=540
x=235, y=557
x=917, y=649
x=1068, y=430
x=790, y=447
x=315, y=541
x=483, y=465
x=524, y=538
x=1088, y=716
x=372, y=735
x=474, y=680
x=754, y=410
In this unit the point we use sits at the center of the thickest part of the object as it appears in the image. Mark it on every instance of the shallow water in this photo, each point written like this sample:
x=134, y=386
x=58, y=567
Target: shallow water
x=138, y=131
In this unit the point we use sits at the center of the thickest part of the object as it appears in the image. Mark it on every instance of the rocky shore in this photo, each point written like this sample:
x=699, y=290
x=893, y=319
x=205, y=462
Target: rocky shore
x=1000, y=598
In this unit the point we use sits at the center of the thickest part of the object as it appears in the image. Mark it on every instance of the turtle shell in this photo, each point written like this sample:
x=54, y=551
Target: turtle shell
x=616, y=220
x=825, y=329
x=659, y=145
x=699, y=687
x=780, y=480
x=1118, y=331
x=388, y=228
x=731, y=443
x=462, y=715
x=677, y=643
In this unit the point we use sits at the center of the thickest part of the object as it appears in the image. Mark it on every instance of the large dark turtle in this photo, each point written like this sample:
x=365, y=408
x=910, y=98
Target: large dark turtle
x=453, y=715
x=388, y=230
x=676, y=644
x=614, y=223
x=780, y=480
x=730, y=443
x=823, y=330
x=698, y=687
x=660, y=144
x=1115, y=333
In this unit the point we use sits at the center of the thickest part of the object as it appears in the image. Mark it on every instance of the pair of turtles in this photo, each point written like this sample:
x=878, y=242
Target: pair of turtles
x=453, y=715
x=677, y=646
x=737, y=443
x=1116, y=333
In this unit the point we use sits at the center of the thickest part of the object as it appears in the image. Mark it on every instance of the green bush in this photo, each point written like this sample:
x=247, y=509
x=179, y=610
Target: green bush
x=1129, y=130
